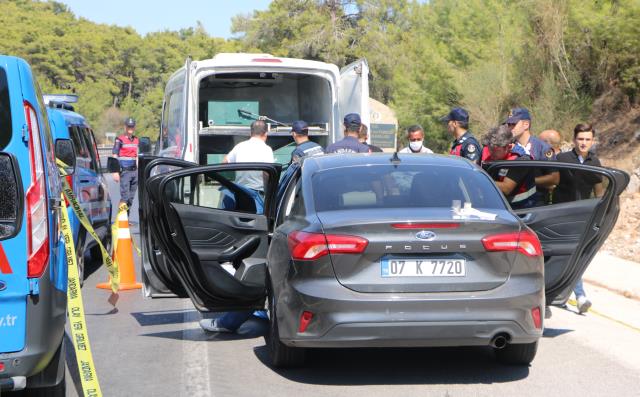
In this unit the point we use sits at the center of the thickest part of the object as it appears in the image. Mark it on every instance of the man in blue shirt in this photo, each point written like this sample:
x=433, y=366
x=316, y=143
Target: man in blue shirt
x=350, y=142
x=304, y=147
x=519, y=121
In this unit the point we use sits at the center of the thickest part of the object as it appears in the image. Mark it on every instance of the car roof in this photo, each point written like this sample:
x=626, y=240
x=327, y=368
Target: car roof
x=329, y=161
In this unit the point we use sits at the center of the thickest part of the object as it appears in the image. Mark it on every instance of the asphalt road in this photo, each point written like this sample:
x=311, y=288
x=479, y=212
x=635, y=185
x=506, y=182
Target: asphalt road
x=156, y=348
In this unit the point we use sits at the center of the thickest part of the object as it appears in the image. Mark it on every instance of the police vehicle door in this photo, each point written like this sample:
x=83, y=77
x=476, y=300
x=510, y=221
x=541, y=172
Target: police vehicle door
x=571, y=233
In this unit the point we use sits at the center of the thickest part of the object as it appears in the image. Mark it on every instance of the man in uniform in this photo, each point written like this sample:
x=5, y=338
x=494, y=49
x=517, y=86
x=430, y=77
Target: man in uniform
x=464, y=144
x=517, y=183
x=415, y=136
x=304, y=147
x=126, y=150
x=519, y=121
x=350, y=142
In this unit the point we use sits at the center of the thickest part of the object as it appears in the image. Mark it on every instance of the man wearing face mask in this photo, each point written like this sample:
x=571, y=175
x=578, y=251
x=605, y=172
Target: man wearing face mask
x=415, y=136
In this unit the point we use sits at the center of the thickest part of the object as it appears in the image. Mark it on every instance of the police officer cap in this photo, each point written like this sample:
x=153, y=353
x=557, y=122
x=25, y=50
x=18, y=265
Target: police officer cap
x=300, y=127
x=130, y=122
x=518, y=114
x=352, y=120
x=456, y=114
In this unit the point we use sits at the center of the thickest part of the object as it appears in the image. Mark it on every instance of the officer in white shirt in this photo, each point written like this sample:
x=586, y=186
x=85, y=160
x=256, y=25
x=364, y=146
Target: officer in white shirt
x=415, y=136
x=253, y=150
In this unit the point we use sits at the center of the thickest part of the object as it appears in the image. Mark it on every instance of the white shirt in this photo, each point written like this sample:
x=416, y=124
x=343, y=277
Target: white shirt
x=422, y=150
x=253, y=150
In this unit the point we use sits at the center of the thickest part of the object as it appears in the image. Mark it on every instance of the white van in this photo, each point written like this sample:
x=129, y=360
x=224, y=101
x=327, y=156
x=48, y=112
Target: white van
x=208, y=108
x=209, y=105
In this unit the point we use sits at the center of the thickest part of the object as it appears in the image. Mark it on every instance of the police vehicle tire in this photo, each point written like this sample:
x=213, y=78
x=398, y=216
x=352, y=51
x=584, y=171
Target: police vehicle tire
x=282, y=356
x=80, y=257
x=517, y=353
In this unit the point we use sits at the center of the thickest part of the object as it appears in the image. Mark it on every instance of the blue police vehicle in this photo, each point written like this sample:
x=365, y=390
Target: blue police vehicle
x=88, y=183
x=33, y=272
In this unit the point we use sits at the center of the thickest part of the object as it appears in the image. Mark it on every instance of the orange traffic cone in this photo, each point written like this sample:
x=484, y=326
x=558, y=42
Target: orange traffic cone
x=124, y=256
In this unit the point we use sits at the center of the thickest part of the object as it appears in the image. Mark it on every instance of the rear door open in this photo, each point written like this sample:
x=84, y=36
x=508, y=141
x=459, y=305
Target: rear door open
x=353, y=93
x=571, y=232
x=212, y=232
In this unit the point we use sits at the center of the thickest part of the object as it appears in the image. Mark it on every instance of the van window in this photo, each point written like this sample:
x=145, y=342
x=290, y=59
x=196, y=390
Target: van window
x=83, y=160
x=172, y=131
x=86, y=134
x=5, y=111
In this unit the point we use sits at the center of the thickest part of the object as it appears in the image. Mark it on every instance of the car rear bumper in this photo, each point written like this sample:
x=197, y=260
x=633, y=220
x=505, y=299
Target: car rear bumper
x=344, y=318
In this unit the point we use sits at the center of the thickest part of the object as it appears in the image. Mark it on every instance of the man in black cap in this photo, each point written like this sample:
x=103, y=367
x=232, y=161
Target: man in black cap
x=350, y=142
x=464, y=144
x=126, y=149
x=304, y=147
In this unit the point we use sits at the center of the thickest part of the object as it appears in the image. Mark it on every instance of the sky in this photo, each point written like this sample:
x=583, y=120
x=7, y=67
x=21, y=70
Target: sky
x=156, y=15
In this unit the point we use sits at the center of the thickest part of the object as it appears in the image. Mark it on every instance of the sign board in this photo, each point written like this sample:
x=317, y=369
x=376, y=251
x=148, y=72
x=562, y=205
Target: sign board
x=383, y=135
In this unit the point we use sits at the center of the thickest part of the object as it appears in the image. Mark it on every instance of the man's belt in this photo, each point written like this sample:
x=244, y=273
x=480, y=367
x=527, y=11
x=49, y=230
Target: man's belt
x=129, y=168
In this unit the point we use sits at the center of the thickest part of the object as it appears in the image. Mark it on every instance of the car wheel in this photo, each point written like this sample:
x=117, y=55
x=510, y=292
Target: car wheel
x=282, y=356
x=517, y=353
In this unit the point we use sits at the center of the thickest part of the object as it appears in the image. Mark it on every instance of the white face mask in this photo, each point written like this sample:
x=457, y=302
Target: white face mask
x=415, y=145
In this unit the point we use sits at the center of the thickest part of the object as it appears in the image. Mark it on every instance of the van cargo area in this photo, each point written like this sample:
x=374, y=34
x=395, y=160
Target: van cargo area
x=229, y=102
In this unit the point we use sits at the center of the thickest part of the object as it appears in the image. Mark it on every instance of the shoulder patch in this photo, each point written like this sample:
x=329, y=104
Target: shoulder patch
x=548, y=154
x=471, y=148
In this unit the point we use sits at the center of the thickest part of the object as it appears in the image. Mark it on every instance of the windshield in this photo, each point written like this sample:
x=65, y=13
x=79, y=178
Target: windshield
x=5, y=111
x=415, y=186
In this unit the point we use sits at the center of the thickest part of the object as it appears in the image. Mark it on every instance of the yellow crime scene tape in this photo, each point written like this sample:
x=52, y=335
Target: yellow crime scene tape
x=77, y=323
x=112, y=267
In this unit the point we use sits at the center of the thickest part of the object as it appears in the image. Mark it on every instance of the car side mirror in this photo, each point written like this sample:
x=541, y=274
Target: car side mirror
x=66, y=154
x=145, y=145
x=113, y=165
x=12, y=196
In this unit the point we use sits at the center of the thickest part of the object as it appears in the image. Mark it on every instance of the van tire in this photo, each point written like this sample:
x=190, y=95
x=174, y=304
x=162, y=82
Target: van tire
x=282, y=356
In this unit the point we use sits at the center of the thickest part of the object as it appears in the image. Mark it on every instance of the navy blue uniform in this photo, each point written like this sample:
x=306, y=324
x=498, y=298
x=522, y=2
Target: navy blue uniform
x=304, y=149
x=348, y=144
x=467, y=146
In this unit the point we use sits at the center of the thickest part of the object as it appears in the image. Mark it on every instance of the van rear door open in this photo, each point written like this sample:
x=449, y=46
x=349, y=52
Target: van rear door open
x=353, y=92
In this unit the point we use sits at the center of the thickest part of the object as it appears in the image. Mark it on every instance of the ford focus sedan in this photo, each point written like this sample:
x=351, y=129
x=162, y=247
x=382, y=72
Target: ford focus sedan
x=378, y=250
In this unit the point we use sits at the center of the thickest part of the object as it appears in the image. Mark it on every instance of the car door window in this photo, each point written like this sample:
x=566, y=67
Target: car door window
x=221, y=190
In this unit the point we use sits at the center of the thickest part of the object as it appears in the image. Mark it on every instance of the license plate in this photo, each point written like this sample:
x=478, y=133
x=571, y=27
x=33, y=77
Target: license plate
x=423, y=268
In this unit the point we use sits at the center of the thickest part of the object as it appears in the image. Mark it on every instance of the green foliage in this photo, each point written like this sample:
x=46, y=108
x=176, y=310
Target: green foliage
x=553, y=56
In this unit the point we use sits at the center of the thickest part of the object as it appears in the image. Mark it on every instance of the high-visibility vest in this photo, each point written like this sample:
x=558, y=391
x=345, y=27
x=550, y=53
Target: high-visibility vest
x=129, y=148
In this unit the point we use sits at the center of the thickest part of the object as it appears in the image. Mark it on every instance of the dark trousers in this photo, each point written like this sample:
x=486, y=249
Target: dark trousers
x=128, y=186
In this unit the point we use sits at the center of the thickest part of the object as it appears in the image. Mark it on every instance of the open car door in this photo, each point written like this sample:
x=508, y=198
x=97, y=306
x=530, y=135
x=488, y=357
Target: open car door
x=158, y=276
x=353, y=94
x=571, y=230
x=212, y=230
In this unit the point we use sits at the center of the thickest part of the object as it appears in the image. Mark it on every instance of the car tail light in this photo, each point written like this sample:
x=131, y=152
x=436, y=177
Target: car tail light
x=410, y=225
x=525, y=242
x=37, y=217
x=310, y=246
x=537, y=317
x=305, y=319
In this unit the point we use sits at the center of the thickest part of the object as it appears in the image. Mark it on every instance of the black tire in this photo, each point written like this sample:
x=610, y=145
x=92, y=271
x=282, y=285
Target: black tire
x=517, y=354
x=80, y=256
x=282, y=356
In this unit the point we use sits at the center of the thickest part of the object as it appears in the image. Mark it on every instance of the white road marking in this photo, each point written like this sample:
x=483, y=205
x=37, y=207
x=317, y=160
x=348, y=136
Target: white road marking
x=195, y=380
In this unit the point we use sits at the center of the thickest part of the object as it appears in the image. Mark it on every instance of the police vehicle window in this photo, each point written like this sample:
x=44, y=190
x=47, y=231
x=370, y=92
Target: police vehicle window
x=411, y=186
x=172, y=126
x=86, y=135
x=239, y=191
x=46, y=127
x=82, y=154
x=5, y=111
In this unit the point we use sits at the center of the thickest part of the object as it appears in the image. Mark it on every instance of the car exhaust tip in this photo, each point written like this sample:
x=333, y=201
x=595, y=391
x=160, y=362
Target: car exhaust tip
x=499, y=341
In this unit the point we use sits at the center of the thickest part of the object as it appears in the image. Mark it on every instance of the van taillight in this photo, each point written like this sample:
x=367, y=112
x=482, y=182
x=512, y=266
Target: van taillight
x=37, y=217
x=310, y=246
x=525, y=242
